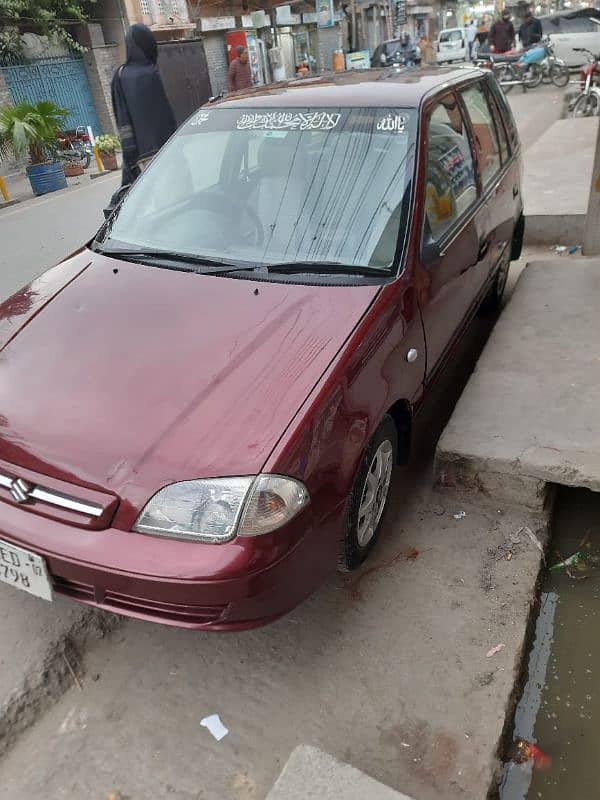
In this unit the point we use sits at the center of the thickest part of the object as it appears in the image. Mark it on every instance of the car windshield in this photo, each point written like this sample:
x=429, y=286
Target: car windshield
x=450, y=36
x=279, y=186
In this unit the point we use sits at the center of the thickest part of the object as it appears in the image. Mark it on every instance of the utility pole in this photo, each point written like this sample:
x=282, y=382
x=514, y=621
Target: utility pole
x=591, y=236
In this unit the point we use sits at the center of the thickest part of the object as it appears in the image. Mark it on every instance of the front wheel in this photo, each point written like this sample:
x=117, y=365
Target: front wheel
x=504, y=75
x=559, y=75
x=532, y=76
x=369, y=498
x=586, y=105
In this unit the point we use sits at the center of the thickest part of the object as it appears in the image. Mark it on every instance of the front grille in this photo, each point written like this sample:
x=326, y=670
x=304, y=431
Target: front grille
x=128, y=604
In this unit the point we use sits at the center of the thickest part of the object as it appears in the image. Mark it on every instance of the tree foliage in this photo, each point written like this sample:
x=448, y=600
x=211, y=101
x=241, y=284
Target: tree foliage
x=45, y=17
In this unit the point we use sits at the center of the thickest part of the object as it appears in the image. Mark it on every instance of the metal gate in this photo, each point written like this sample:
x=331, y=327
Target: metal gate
x=61, y=80
x=184, y=72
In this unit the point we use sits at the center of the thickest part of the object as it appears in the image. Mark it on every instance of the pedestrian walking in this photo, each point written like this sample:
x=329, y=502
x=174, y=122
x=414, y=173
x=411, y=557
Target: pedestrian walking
x=239, y=75
x=530, y=32
x=471, y=34
x=145, y=119
x=428, y=55
x=502, y=34
x=482, y=31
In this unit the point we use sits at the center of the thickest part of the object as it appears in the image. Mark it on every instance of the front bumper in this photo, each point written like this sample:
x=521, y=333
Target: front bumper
x=241, y=584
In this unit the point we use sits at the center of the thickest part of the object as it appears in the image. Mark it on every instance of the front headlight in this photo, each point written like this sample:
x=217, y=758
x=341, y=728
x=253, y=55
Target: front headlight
x=216, y=510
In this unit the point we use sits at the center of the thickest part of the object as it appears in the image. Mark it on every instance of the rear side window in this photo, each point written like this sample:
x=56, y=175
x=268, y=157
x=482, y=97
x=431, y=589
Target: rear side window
x=577, y=25
x=486, y=141
x=507, y=115
x=500, y=130
x=450, y=187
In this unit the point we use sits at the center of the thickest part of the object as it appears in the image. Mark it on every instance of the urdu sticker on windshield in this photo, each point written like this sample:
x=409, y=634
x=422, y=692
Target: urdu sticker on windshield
x=201, y=116
x=284, y=120
x=394, y=123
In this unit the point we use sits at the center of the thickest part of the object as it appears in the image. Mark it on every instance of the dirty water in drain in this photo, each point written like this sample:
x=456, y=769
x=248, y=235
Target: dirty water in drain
x=559, y=711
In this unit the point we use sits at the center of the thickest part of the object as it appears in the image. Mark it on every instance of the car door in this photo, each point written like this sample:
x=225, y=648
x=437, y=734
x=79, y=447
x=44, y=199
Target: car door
x=455, y=225
x=498, y=179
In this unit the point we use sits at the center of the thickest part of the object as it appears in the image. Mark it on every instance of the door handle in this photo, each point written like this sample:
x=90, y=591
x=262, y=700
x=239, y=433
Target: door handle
x=484, y=246
x=515, y=191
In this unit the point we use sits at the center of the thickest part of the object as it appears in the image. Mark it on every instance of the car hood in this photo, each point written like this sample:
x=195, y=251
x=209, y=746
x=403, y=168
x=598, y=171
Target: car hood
x=124, y=377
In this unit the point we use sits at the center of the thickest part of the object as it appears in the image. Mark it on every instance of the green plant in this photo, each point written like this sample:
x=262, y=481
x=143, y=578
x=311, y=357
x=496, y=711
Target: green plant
x=108, y=144
x=30, y=129
x=44, y=17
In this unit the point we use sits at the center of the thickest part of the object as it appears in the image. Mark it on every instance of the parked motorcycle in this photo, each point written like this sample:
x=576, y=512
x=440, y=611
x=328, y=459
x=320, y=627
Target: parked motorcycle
x=554, y=69
x=74, y=146
x=516, y=68
x=587, y=103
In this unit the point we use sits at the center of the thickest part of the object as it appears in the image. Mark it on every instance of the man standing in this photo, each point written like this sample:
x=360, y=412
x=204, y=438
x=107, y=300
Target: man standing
x=471, y=34
x=502, y=34
x=239, y=75
x=530, y=32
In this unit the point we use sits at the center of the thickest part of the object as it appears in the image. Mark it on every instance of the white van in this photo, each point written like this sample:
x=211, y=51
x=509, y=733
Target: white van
x=452, y=45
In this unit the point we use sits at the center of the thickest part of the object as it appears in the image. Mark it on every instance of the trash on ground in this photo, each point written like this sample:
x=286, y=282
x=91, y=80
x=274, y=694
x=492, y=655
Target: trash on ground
x=559, y=248
x=573, y=249
x=215, y=726
x=524, y=751
x=460, y=515
x=572, y=561
x=495, y=650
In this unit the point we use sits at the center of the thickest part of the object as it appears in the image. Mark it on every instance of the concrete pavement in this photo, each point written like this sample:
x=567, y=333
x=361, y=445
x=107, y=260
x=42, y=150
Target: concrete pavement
x=528, y=417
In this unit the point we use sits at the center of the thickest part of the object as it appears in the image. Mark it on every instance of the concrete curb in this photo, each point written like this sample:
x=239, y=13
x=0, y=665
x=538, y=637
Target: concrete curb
x=311, y=773
x=549, y=229
x=46, y=680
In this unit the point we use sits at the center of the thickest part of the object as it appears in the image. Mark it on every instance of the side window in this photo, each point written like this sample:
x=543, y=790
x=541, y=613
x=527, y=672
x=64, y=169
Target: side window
x=507, y=115
x=576, y=25
x=486, y=141
x=450, y=186
x=500, y=129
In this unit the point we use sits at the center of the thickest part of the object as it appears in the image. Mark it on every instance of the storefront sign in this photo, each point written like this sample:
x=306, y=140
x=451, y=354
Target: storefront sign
x=358, y=60
x=217, y=23
x=309, y=19
x=325, y=14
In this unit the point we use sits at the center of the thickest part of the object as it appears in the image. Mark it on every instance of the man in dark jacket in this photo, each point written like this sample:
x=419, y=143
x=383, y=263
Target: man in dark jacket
x=530, y=32
x=239, y=75
x=144, y=116
x=502, y=34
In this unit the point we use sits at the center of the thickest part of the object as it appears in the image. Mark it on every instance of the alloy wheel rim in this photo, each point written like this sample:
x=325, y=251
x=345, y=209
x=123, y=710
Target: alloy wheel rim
x=375, y=492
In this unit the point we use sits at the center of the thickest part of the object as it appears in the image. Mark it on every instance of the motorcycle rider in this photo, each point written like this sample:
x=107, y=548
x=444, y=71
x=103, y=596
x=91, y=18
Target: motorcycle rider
x=407, y=52
x=502, y=34
x=530, y=32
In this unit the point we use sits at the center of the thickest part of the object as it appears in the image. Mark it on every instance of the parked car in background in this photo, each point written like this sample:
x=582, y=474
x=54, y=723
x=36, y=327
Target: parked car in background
x=202, y=408
x=386, y=53
x=570, y=31
x=452, y=45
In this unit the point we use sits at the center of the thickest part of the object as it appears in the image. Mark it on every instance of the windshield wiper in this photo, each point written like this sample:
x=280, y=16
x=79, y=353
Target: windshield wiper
x=326, y=267
x=182, y=260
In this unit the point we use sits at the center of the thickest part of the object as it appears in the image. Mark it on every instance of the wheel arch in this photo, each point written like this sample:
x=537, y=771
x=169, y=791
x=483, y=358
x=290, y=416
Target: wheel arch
x=402, y=414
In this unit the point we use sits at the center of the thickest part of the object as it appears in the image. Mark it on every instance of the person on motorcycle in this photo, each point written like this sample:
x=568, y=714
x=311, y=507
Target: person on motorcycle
x=407, y=52
x=530, y=32
x=502, y=34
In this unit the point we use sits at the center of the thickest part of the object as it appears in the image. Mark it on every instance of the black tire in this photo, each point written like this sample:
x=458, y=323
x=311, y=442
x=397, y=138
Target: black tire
x=504, y=72
x=86, y=160
x=586, y=105
x=351, y=552
x=559, y=75
x=492, y=302
x=532, y=76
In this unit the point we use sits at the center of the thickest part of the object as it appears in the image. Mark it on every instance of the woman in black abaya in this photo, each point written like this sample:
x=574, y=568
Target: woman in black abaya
x=144, y=117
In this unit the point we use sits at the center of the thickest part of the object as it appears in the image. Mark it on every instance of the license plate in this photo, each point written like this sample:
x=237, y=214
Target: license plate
x=24, y=570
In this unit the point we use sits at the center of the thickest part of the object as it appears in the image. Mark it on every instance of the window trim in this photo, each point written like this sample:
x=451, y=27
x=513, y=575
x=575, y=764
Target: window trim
x=508, y=119
x=480, y=84
x=459, y=223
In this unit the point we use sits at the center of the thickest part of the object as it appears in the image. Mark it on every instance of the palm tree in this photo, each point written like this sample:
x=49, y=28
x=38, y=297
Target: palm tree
x=30, y=129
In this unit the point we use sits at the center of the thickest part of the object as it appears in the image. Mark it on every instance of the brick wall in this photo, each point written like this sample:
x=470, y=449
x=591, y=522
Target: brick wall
x=100, y=65
x=216, y=57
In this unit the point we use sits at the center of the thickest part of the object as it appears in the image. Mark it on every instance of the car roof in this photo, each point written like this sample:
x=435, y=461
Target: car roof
x=390, y=87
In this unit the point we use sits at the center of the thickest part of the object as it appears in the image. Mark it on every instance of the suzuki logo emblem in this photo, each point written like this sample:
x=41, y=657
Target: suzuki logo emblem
x=20, y=490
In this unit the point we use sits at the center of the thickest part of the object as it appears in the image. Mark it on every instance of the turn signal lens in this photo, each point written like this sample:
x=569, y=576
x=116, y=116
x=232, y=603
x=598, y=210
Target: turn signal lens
x=274, y=500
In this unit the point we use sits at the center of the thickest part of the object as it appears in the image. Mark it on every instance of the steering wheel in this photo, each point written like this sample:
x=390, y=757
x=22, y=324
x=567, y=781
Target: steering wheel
x=217, y=197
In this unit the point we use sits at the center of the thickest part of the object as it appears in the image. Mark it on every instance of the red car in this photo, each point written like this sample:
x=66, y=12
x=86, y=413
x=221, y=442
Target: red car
x=200, y=411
